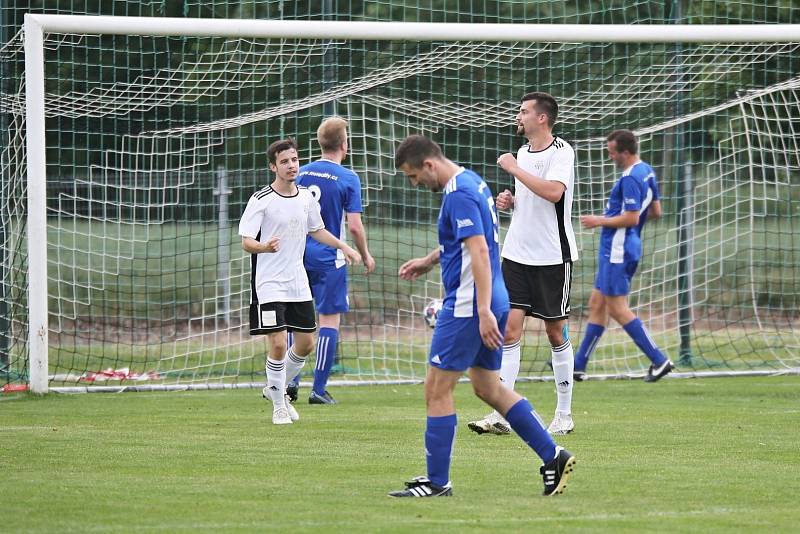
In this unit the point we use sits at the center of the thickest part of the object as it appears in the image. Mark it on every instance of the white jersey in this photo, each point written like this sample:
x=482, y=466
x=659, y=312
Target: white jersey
x=541, y=231
x=280, y=276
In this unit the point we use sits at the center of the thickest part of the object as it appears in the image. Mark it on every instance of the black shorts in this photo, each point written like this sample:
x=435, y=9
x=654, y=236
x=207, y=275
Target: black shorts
x=541, y=290
x=276, y=316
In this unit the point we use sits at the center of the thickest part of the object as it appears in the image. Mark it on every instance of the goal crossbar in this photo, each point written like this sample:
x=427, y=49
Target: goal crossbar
x=420, y=31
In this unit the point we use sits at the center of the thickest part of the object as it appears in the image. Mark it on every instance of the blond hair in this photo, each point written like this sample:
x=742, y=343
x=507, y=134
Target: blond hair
x=332, y=134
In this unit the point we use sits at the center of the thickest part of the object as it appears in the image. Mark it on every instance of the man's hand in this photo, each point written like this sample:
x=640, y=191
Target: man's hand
x=507, y=162
x=369, y=263
x=412, y=269
x=591, y=221
x=272, y=244
x=505, y=200
x=351, y=255
x=490, y=332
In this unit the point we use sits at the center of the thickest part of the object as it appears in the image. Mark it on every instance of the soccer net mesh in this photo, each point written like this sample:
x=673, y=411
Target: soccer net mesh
x=154, y=145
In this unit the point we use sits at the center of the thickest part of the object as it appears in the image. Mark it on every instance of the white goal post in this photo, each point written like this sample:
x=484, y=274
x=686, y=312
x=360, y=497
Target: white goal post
x=37, y=25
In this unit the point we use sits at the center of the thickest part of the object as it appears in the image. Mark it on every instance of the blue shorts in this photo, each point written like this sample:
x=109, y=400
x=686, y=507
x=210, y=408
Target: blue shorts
x=329, y=289
x=457, y=343
x=614, y=279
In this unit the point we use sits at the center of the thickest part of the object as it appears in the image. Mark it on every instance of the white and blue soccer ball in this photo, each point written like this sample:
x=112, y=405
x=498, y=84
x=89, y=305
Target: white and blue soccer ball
x=431, y=313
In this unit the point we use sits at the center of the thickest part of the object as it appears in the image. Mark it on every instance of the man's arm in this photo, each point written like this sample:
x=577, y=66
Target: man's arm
x=356, y=228
x=482, y=273
x=250, y=225
x=505, y=200
x=625, y=219
x=655, y=209
x=255, y=247
x=412, y=269
x=550, y=190
x=326, y=238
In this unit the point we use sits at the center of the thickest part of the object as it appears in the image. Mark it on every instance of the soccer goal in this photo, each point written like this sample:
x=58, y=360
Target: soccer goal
x=135, y=144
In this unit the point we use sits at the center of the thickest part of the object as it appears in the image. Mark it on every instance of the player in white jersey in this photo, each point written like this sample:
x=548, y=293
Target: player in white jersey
x=538, y=252
x=274, y=227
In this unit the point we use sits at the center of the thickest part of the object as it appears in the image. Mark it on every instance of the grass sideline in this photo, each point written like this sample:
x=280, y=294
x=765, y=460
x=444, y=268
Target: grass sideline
x=708, y=455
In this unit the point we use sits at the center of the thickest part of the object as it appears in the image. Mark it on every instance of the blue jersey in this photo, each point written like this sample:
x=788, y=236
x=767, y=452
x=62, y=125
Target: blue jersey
x=468, y=210
x=634, y=191
x=651, y=194
x=338, y=191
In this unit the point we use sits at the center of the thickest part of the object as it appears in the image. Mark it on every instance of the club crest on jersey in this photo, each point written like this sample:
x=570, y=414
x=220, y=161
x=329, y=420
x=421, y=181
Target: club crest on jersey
x=294, y=228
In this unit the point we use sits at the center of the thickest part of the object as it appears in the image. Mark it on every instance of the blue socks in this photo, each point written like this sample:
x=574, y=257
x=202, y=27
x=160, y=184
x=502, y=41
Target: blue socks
x=635, y=329
x=326, y=353
x=440, y=433
x=639, y=334
x=530, y=428
x=588, y=344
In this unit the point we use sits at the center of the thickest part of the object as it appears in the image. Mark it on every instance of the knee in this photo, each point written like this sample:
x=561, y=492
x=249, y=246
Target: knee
x=435, y=397
x=555, y=339
x=555, y=335
x=303, y=344
x=595, y=303
x=278, y=347
x=512, y=334
x=480, y=392
x=486, y=392
x=617, y=309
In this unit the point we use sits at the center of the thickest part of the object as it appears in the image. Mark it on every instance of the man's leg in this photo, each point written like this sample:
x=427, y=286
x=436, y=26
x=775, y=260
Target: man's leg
x=509, y=371
x=326, y=353
x=298, y=351
x=512, y=340
x=292, y=384
x=633, y=326
x=440, y=433
x=441, y=422
x=598, y=319
x=276, y=377
x=563, y=361
x=558, y=463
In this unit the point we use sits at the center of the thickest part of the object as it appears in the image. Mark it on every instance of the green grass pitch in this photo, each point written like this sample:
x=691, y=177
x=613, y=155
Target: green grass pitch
x=707, y=455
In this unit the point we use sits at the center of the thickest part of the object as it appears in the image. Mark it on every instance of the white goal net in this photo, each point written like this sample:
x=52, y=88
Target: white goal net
x=154, y=143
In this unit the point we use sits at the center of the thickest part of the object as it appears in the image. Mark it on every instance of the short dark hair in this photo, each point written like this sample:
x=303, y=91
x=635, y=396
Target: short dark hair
x=279, y=146
x=414, y=150
x=545, y=103
x=625, y=140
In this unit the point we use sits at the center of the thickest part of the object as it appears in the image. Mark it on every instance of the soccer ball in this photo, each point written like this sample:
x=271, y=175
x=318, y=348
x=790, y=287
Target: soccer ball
x=432, y=312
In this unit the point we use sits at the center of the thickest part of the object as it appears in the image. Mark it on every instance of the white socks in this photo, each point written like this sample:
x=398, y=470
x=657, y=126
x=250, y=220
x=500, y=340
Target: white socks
x=276, y=382
x=563, y=366
x=294, y=363
x=509, y=369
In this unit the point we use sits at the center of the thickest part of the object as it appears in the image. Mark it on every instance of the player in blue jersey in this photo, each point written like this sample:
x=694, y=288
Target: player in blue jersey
x=469, y=330
x=337, y=189
x=632, y=199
